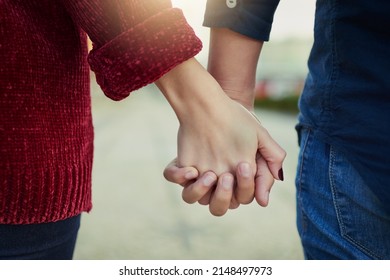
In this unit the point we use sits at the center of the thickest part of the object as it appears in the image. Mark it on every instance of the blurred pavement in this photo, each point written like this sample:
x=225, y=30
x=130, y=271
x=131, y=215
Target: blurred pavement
x=138, y=215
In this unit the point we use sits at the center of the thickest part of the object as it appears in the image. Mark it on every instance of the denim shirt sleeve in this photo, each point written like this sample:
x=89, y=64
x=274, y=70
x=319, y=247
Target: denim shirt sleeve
x=252, y=18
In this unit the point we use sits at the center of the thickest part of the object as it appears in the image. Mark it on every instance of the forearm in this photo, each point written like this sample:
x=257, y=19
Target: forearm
x=190, y=90
x=233, y=62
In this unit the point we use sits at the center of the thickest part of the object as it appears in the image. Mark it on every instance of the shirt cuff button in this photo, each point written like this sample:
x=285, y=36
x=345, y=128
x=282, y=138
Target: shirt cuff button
x=231, y=3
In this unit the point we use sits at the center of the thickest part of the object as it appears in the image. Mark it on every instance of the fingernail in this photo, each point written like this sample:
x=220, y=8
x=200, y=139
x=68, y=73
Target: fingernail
x=209, y=180
x=190, y=175
x=227, y=182
x=280, y=174
x=245, y=169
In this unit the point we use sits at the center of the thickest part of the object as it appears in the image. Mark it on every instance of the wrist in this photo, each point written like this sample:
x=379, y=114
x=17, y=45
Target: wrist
x=190, y=90
x=234, y=70
x=245, y=97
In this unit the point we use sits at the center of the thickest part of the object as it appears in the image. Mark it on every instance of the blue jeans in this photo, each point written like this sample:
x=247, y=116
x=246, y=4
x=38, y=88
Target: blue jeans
x=48, y=241
x=338, y=216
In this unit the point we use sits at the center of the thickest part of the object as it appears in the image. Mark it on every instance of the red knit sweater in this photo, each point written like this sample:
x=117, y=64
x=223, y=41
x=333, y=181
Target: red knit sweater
x=46, y=133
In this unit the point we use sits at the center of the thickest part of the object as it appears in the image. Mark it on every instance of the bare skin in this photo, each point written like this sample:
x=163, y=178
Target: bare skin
x=232, y=62
x=213, y=143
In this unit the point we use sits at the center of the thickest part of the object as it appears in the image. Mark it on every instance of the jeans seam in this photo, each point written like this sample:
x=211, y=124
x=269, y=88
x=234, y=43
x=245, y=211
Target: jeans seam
x=304, y=147
x=338, y=211
x=332, y=189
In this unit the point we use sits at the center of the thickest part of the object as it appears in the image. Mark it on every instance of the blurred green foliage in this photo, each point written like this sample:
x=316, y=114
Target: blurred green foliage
x=287, y=104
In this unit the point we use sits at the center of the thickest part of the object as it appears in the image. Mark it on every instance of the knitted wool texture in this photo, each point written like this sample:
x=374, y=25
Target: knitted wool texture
x=46, y=132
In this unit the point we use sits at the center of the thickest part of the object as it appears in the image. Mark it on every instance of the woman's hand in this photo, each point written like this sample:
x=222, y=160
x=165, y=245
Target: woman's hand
x=216, y=133
x=202, y=189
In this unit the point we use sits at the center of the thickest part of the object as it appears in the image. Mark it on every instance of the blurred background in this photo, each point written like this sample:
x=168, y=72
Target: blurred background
x=138, y=215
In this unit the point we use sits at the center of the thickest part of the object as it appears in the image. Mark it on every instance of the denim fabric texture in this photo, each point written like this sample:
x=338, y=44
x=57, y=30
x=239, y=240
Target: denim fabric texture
x=338, y=215
x=346, y=98
x=46, y=241
x=343, y=185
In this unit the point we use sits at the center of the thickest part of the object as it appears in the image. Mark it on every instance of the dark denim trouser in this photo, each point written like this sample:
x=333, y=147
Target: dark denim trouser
x=338, y=216
x=48, y=241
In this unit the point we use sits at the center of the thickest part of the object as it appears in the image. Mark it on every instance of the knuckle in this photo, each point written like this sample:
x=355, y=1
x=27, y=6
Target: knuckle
x=218, y=212
x=172, y=176
x=280, y=156
x=246, y=200
x=188, y=199
x=284, y=154
x=166, y=174
x=202, y=202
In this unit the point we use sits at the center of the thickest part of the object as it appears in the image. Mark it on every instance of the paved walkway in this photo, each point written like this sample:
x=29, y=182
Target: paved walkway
x=138, y=215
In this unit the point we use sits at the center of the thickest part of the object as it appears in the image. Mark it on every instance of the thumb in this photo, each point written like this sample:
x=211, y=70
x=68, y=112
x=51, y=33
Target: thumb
x=179, y=175
x=273, y=154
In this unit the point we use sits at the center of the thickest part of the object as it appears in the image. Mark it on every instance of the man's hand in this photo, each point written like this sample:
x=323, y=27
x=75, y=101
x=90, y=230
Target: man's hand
x=222, y=197
x=216, y=134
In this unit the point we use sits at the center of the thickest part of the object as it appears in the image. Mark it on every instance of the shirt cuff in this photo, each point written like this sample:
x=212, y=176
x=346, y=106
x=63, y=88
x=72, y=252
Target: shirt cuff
x=144, y=53
x=252, y=18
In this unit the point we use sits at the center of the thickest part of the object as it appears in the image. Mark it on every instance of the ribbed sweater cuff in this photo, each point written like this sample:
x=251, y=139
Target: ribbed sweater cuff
x=144, y=53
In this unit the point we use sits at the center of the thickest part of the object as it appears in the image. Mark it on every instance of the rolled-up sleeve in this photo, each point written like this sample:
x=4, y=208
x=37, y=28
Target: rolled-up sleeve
x=135, y=42
x=252, y=18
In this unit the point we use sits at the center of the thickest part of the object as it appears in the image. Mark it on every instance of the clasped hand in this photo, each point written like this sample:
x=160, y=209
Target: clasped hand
x=225, y=156
x=226, y=159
